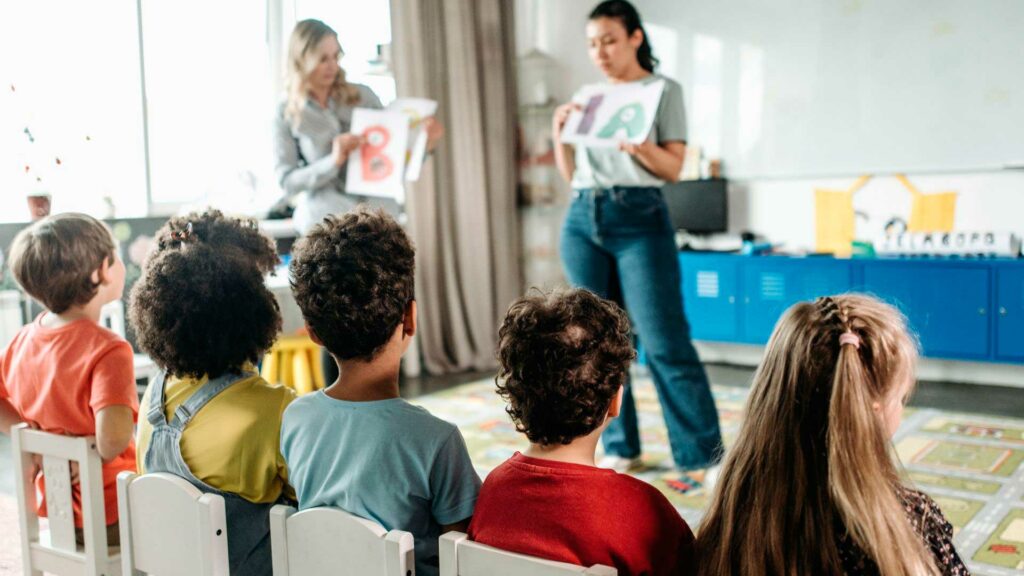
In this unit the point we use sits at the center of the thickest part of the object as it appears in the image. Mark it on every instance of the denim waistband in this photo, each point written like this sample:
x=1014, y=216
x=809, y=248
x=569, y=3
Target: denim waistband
x=614, y=191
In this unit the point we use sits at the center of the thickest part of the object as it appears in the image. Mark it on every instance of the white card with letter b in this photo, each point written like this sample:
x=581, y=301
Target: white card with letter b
x=612, y=114
x=377, y=168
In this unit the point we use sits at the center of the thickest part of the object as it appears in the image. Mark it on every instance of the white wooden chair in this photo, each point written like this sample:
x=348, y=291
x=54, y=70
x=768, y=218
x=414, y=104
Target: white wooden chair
x=330, y=541
x=171, y=528
x=54, y=550
x=112, y=317
x=462, y=557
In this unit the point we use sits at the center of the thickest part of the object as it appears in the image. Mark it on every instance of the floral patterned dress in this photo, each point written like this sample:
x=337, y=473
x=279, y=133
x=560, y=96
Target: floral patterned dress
x=928, y=521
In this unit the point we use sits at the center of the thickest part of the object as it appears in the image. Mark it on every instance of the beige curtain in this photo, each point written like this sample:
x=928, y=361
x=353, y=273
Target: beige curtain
x=462, y=212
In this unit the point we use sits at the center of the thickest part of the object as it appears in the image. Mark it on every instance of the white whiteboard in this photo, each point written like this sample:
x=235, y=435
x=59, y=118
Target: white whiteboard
x=801, y=88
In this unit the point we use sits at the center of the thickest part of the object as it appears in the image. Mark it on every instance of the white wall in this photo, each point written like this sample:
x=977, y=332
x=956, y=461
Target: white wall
x=782, y=209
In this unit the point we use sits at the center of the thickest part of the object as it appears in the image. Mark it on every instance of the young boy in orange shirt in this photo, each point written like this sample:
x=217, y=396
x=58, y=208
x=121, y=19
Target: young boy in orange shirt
x=64, y=373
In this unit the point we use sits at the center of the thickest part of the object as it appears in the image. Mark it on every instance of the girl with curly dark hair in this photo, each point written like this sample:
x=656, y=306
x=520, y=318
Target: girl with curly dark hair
x=202, y=312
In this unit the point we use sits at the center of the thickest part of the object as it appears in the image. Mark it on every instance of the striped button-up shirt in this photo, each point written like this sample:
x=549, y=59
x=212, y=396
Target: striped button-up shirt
x=303, y=160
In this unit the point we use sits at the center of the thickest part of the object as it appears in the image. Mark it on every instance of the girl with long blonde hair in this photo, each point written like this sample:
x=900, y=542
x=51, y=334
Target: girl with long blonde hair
x=811, y=485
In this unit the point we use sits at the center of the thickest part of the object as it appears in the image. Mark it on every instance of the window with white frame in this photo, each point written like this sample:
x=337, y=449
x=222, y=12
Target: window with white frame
x=209, y=103
x=71, y=108
x=73, y=123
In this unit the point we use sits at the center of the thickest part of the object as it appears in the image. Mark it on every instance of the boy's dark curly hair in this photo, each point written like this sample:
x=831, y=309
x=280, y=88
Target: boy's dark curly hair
x=353, y=278
x=228, y=235
x=199, y=311
x=562, y=358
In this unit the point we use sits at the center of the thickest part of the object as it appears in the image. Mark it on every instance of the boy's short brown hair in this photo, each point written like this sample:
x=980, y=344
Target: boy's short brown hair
x=53, y=259
x=562, y=359
x=353, y=278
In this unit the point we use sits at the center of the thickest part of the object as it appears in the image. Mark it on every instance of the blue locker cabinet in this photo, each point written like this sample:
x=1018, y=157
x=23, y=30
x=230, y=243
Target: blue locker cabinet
x=772, y=284
x=1010, y=313
x=710, y=295
x=960, y=309
x=947, y=303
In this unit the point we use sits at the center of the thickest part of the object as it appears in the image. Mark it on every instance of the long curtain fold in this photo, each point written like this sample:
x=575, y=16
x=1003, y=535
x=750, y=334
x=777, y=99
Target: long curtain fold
x=462, y=211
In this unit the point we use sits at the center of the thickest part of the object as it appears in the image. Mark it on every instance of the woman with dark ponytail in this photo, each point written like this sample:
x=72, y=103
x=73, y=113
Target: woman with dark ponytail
x=618, y=243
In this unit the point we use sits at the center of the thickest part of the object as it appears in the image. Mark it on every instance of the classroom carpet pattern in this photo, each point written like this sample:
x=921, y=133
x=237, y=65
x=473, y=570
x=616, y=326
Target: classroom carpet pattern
x=970, y=464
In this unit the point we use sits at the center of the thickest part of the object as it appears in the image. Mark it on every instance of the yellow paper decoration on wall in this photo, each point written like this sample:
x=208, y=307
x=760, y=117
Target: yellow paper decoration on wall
x=933, y=212
x=834, y=218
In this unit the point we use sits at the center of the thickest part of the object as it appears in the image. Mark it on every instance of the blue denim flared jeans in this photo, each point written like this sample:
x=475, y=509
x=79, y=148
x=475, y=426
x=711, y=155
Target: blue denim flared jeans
x=618, y=243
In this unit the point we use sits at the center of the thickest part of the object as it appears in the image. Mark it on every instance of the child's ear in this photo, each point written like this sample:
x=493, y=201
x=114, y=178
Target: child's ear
x=616, y=405
x=99, y=275
x=313, y=336
x=409, y=320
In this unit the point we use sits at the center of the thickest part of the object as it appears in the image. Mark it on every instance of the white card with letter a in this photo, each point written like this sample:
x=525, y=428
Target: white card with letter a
x=377, y=168
x=613, y=114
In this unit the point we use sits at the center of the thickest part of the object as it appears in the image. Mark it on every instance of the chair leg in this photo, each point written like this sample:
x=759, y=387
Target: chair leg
x=302, y=372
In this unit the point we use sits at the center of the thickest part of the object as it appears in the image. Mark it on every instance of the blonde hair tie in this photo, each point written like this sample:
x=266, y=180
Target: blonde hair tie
x=850, y=338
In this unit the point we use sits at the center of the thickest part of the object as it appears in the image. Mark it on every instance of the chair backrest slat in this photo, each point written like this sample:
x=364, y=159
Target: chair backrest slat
x=56, y=547
x=170, y=527
x=322, y=541
x=462, y=557
x=59, y=511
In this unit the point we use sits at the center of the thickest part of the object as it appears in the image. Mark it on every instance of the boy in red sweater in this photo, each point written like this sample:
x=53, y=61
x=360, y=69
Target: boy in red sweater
x=563, y=360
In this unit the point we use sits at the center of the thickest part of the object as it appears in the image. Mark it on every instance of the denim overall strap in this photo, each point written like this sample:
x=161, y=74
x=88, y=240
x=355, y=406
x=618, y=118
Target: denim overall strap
x=155, y=415
x=248, y=522
x=184, y=413
x=164, y=453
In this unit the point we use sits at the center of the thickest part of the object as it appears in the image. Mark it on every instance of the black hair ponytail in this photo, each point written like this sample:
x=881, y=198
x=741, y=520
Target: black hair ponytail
x=630, y=18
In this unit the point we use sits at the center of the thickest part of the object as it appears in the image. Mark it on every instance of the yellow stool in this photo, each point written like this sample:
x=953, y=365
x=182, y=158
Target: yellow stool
x=294, y=361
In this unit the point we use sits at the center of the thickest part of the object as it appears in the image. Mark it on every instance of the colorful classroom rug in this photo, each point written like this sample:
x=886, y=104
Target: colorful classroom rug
x=10, y=543
x=971, y=465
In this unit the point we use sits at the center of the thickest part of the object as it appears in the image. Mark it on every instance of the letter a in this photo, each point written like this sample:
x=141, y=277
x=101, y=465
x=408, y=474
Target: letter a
x=629, y=118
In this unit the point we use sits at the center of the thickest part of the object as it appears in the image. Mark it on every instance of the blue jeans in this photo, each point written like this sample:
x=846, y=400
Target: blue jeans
x=618, y=243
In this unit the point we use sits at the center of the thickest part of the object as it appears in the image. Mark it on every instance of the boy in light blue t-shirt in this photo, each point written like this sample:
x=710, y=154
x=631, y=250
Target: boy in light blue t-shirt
x=357, y=445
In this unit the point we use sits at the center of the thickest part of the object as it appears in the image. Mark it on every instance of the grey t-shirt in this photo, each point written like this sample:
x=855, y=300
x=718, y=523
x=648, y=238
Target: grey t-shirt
x=304, y=164
x=607, y=167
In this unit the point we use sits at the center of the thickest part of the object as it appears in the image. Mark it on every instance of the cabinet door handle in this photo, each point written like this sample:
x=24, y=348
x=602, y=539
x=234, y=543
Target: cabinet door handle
x=1003, y=311
x=732, y=299
x=981, y=311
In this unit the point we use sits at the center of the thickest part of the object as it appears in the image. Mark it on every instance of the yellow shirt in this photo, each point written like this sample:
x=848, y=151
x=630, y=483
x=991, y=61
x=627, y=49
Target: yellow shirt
x=232, y=443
